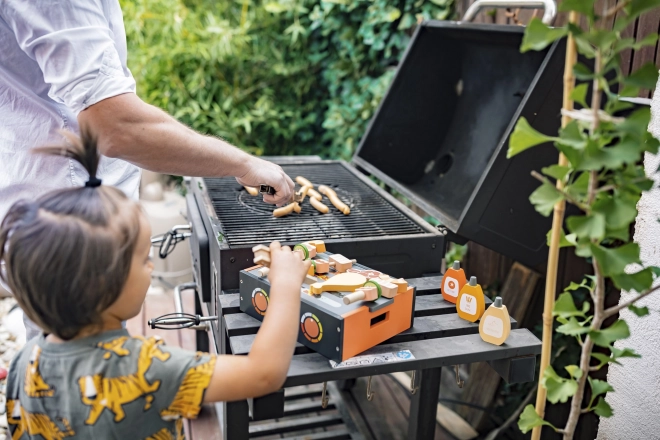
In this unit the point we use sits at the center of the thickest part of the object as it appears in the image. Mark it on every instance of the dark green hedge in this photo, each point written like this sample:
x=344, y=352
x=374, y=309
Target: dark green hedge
x=273, y=77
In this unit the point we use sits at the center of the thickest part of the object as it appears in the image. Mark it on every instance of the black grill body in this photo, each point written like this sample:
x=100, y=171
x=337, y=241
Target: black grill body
x=441, y=133
x=380, y=232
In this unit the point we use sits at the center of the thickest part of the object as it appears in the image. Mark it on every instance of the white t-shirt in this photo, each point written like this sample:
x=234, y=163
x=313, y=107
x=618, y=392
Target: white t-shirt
x=57, y=57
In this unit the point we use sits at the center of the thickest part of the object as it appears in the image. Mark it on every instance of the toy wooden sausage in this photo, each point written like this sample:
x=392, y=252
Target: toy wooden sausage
x=286, y=210
x=314, y=194
x=318, y=205
x=303, y=182
x=332, y=195
x=251, y=190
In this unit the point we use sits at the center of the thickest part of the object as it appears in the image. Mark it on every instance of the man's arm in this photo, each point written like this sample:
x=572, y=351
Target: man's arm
x=129, y=129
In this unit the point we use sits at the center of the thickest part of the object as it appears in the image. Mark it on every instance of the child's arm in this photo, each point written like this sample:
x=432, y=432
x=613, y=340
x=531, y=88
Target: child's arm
x=264, y=370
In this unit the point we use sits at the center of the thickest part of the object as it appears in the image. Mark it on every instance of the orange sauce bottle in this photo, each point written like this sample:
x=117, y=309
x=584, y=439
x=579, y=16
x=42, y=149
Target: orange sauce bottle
x=452, y=282
x=470, y=303
x=495, y=325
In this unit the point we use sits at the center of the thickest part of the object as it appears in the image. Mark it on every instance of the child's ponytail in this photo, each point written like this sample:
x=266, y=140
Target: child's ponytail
x=68, y=254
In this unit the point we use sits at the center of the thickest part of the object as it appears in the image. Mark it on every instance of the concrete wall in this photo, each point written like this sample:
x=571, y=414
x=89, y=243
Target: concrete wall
x=636, y=400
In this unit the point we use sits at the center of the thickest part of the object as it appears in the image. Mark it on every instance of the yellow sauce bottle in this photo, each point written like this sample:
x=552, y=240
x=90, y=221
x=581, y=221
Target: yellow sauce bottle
x=452, y=282
x=495, y=325
x=470, y=303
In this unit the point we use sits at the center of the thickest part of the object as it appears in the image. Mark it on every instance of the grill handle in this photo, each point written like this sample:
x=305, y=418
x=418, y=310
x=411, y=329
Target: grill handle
x=549, y=7
x=179, y=320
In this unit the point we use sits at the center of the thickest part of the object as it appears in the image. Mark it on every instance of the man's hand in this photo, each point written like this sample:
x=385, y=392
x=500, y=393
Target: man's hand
x=267, y=173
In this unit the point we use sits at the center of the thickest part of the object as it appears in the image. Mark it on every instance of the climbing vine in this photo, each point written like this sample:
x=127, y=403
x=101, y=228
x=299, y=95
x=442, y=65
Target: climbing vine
x=602, y=143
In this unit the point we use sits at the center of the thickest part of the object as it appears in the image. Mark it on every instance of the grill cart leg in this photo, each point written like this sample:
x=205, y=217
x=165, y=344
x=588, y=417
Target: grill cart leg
x=424, y=404
x=236, y=420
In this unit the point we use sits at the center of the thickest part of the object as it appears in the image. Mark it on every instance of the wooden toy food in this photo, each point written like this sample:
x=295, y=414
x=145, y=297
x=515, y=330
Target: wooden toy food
x=343, y=282
x=495, y=325
x=452, y=282
x=470, y=303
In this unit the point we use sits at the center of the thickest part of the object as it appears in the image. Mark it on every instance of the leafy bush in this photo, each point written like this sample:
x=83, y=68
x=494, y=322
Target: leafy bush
x=273, y=77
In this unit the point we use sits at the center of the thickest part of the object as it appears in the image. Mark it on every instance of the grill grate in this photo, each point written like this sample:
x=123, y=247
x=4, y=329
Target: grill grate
x=247, y=221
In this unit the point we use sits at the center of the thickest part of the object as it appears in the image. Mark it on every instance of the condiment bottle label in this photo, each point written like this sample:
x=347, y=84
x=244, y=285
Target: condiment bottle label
x=468, y=304
x=493, y=326
x=451, y=286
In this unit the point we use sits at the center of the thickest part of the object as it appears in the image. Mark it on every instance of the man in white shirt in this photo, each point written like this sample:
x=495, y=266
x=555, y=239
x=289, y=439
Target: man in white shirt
x=62, y=65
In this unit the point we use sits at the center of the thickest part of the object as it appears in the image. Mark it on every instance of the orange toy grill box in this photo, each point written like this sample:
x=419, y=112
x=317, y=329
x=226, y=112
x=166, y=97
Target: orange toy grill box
x=328, y=326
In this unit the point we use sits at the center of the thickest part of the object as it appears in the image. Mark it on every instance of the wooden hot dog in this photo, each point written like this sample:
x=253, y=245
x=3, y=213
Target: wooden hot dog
x=251, y=190
x=286, y=210
x=332, y=195
x=303, y=182
x=318, y=205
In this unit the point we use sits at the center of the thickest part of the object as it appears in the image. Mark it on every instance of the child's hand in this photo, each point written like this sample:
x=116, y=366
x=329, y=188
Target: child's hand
x=286, y=267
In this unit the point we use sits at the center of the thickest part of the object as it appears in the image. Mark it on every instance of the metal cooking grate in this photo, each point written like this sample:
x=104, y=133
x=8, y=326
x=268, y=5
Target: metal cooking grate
x=247, y=220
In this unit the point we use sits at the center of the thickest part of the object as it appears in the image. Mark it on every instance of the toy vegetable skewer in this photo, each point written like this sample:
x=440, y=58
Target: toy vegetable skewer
x=332, y=195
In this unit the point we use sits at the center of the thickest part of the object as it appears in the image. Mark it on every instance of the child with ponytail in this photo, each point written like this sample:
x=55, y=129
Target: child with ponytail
x=77, y=261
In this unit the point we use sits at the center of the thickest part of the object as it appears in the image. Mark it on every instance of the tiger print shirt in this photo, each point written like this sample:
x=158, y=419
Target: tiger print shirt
x=109, y=385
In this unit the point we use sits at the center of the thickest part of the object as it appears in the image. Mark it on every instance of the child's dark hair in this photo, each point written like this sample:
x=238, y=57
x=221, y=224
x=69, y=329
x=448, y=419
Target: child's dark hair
x=68, y=254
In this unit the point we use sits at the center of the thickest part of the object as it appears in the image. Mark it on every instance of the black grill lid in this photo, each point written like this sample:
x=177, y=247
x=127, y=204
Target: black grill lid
x=441, y=132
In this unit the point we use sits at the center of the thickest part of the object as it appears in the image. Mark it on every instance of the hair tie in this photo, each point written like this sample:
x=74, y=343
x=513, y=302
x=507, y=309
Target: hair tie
x=93, y=182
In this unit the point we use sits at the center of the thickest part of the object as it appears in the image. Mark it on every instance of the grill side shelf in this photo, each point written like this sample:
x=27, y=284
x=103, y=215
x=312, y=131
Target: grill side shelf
x=437, y=329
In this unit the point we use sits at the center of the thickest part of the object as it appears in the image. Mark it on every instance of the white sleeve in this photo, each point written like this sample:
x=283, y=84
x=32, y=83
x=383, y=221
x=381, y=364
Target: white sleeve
x=74, y=45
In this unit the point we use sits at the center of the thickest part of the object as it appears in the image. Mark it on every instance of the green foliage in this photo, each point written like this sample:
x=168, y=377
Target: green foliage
x=273, y=77
x=560, y=389
x=604, y=145
x=529, y=419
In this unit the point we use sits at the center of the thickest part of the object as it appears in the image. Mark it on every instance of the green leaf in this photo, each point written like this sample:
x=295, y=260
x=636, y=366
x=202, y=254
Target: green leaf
x=584, y=7
x=624, y=352
x=636, y=123
x=638, y=282
x=639, y=311
x=564, y=240
x=393, y=14
x=573, y=327
x=604, y=359
x=579, y=94
x=529, y=419
x=544, y=198
x=558, y=172
x=559, y=389
x=275, y=7
x=582, y=72
x=618, y=210
x=613, y=261
x=646, y=77
x=572, y=136
x=538, y=36
x=574, y=371
x=565, y=307
x=603, y=409
x=589, y=226
x=598, y=387
x=638, y=7
x=605, y=337
x=524, y=137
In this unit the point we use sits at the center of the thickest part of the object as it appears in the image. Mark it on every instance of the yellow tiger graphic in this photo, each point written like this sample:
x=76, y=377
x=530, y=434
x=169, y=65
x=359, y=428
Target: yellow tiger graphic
x=35, y=386
x=34, y=423
x=115, y=346
x=166, y=434
x=188, y=398
x=112, y=392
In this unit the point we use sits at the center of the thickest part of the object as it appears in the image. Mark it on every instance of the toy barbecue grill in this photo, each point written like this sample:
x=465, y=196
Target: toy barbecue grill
x=439, y=138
